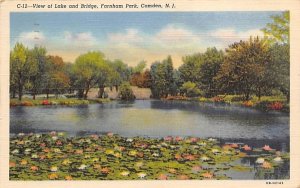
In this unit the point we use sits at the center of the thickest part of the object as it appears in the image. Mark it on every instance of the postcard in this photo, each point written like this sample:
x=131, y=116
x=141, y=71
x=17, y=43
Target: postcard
x=149, y=93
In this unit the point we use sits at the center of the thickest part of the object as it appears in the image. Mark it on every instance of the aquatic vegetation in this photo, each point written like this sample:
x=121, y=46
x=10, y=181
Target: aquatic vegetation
x=55, y=156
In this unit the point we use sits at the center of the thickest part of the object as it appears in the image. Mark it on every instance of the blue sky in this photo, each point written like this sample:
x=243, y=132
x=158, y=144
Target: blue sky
x=134, y=36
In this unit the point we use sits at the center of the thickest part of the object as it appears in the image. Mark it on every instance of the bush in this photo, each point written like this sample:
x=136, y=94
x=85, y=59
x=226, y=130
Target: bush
x=275, y=106
x=27, y=103
x=248, y=103
x=45, y=102
x=218, y=99
x=126, y=92
x=191, y=89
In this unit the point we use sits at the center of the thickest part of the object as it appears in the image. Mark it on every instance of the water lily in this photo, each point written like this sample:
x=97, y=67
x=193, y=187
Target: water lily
x=110, y=134
x=139, y=164
x=66, y=162
x=12, y=164
x=124, y=173
x=109, y=152
x=140, y=154
x=95, y=159
x=79, y=151
x=15, y=151
x=178, y=138
x=61, y=134
x=132, y=153
x=207, y=175
x=177, y=156
x=21, y=142
x=27, y=151
x=246, y=148
x=278, y=159
x=155, y=155
x=205, y=158
x=194, y=139
x=266, y=165
x=234, y=145
x=58, y=143
x=168, y=138
x=53, y=169
x=46, y=150
x=129, y=140
x=53, y=176
x=267, y=148
x=34, y=156
x=202, y=143
x=38, y=136
x=54, y=138
x=43, y=144
x=82, y=167
x=53, y=133
x=172, y=170
x=215, y=151
x=24, y=162
x=162, y=177
x=68, y=178
x=42, y=157
x=196, y=168
x=117, y=154
x=105, y=170
x=189, y=157
x=56, y=150
x=95, y=137
x=142, y=175
x=34, y=168
x=260, y=160
x=182, y=177
x=87, y=156
x=212, y=139
x=21, y=134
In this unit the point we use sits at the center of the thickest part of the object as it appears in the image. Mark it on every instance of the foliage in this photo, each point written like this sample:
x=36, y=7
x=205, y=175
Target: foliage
x=279, y=30
x=162, y=78
x=55, y=156
x=243, y=70
x=126, y=92
x=190, y=89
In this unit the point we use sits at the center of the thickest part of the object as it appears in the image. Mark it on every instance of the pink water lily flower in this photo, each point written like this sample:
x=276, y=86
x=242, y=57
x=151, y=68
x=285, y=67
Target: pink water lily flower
x=196, y=168
x=162, y=177
x=246, y=148
x=178, y=138
x=267, y=148
x=168, y=138
x=110, y=134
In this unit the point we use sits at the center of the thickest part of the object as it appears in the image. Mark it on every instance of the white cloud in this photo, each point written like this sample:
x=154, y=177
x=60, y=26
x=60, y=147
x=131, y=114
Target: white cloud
x=83, y=39
x=130, y=35
x=31, y=38
x=225, y=36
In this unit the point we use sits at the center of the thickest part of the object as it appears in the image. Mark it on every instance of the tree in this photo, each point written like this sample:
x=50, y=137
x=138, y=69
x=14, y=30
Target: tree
x=190, y=69
x=126, y=92
x=37, y=56
x=20, y=68
x=279, y=70
x=57, y=77
x=122, y=73
x=243, y=69
x=139, y=67
x=212, y=60
x=162, y=78
x=87, y=68
x=279, y=30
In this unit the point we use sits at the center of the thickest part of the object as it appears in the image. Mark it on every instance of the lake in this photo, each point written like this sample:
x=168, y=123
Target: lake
x=155, y=118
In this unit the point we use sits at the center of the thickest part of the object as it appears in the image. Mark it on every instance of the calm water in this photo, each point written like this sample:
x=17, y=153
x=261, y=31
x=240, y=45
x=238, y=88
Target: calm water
x=163, y=118
x=153, y=119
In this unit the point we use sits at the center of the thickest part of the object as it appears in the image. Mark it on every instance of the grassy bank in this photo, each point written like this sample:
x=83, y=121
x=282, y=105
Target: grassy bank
x=54, y=156
x=265, y=103
x=68, y=101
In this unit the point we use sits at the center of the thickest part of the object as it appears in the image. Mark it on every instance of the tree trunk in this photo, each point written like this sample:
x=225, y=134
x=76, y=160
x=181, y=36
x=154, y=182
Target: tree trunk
x=86, y=93
x=20, y=91
x=117, y=88
x=288, y=97
x=47, y=93
x=101, y=92
x=259, y=93
x=111, y=88
x=14, y=94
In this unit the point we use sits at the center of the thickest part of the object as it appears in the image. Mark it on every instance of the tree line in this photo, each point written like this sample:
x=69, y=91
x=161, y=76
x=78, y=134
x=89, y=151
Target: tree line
x=257, y=66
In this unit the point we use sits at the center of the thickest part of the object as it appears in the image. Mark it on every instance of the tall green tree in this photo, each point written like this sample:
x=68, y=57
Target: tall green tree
x=279, y=30
x=212, y=60
x=37, y=56
x=87, y=68
x=190, y=70
x=20, y=67
x=243, y=69
x=162, y=78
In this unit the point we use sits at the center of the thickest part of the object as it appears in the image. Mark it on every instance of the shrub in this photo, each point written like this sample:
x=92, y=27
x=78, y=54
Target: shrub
x=45, y=102
x=191, y=89
x=248, y=103
x=126, y=92
x=218, y=99
x=27, y=103
x=275, y=106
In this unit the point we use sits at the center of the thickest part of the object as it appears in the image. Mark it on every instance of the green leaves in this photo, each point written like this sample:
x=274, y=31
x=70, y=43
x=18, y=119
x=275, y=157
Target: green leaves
x=111, y=157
